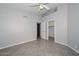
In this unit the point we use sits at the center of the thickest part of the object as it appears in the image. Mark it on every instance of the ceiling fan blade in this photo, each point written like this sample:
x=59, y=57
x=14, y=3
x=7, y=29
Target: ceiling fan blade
x=39, y=4
x=45, y=3
x=46, y=7
x=34, y=5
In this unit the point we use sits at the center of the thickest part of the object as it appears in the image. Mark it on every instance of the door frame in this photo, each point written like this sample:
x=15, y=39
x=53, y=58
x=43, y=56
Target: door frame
x=54, y=28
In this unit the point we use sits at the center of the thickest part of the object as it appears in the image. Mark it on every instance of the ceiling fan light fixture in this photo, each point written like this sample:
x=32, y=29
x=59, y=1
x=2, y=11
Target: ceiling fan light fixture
x=41, y=6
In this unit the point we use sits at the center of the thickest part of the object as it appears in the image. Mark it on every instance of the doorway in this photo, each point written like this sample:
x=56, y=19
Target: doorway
x=38, y=30
x=51, y=30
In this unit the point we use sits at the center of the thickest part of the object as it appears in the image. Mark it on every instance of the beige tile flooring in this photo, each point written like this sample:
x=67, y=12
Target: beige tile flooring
x=38, y=48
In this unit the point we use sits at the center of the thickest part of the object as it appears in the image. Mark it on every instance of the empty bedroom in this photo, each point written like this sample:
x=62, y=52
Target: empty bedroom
x=39, y=29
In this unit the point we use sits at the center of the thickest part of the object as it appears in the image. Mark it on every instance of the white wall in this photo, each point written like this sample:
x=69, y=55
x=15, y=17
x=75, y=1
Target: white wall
x=73, y=26
x=15, y=28
x=60, y=18
x=61, y=24
x=43, y=30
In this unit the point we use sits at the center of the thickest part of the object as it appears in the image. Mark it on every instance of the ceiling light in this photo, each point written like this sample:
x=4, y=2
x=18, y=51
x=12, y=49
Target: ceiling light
x=41, y=6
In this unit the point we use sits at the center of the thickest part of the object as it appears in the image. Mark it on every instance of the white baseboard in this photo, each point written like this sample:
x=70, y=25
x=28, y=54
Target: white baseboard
x=16, y=44
x=61, y=43
x=74, y=49
x=68, y=46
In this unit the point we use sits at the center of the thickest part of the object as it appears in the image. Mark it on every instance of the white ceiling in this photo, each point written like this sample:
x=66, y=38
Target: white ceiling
x=26, y=7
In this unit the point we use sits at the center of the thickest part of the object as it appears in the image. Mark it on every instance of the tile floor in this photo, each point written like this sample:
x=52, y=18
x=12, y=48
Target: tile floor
x=39, y=48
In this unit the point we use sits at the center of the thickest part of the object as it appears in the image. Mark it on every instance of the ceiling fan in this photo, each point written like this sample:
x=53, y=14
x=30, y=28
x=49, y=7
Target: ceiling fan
x=41, y=6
